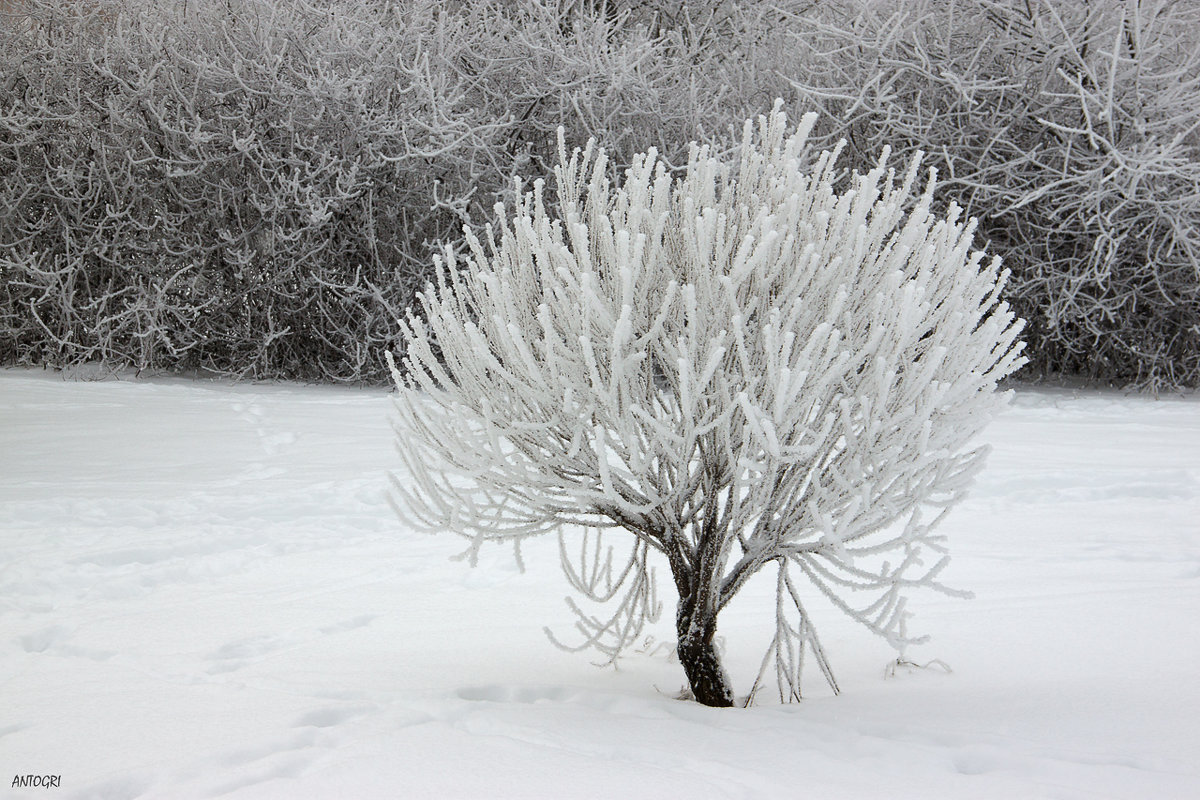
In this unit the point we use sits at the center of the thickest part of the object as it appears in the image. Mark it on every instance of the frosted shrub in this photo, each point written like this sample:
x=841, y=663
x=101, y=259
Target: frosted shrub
x=241, y=187
x=255, y=187
x=1072, y=129
x=740, y=367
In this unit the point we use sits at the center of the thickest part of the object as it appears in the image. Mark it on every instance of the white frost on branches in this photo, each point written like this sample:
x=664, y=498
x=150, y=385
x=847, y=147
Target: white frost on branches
x=762, y=361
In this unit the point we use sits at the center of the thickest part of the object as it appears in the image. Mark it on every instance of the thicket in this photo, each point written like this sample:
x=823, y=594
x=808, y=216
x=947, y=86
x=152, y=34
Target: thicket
x=255, y=187
x=1072, y=129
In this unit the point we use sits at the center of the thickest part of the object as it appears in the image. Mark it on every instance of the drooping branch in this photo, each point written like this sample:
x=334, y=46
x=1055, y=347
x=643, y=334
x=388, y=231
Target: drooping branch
x=593, y=575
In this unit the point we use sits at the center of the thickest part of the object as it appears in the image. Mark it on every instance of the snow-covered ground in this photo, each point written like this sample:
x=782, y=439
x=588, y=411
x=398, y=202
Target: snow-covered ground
x=203, y=592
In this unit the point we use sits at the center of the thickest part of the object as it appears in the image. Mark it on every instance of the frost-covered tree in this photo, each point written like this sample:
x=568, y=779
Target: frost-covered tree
x=762, y=362
x=254, y=187
x=1072, y=129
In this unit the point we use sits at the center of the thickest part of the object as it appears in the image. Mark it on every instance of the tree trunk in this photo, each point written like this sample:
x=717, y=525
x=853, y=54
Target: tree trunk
x=696, y=629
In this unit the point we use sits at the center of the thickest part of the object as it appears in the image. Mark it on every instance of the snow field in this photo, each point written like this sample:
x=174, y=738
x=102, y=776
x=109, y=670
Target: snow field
x=204, y=593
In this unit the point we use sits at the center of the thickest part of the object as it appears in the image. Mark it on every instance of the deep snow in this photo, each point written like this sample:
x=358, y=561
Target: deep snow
x=203, y=592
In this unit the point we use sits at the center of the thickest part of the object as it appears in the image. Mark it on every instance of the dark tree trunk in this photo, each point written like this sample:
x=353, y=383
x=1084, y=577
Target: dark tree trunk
x=697, y=629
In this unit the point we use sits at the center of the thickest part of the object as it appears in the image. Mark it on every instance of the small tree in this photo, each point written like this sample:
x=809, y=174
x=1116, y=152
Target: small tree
x=740, y=367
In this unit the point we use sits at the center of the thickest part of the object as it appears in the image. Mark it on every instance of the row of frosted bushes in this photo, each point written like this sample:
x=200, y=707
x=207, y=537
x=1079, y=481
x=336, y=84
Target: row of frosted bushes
x=255, y=187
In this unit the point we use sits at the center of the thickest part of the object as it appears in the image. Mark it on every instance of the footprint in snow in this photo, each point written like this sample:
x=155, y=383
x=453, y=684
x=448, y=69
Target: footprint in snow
x=56, y=641
x=272, y=442
x=515, y=694
x=235, y=655
x=330, y=717
x=351, y=624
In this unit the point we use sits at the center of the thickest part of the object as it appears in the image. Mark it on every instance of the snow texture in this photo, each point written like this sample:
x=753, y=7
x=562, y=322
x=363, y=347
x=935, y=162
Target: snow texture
x=203, y=593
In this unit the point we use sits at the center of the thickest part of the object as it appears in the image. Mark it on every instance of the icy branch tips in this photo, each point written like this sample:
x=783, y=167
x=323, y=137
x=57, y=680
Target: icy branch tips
x=763, y=362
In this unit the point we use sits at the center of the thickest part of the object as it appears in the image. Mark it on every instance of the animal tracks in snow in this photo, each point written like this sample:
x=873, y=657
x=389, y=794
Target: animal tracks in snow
x=272, y=441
